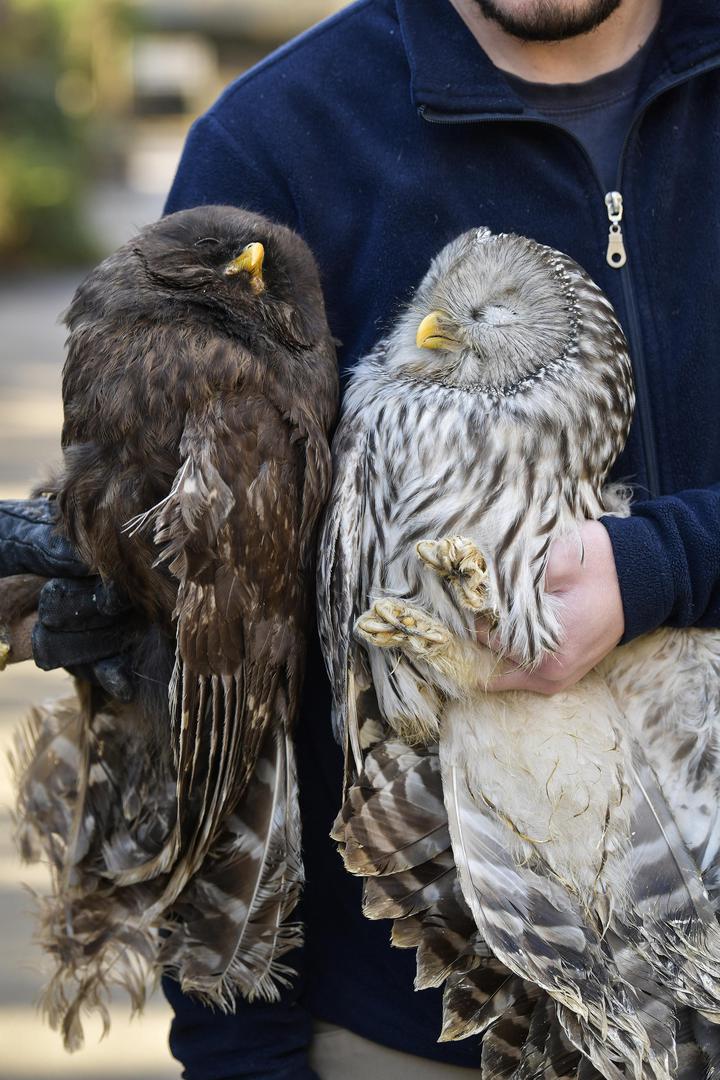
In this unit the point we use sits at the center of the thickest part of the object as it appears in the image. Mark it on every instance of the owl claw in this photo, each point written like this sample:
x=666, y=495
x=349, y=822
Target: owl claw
x=393, y=624
x=457, y=559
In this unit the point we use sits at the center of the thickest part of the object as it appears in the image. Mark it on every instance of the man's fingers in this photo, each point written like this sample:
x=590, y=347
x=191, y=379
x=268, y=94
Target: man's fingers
x=564, y=562
x=61, y=648
x=518, y=679
x=547, y=678
x=71, y=603
x=511, y=677
x=486, y=633
x=30, y=544
x=543, y=680
x=113, y=675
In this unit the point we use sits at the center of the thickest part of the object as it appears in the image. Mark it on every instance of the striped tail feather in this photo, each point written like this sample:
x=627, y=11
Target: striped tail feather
x=475, y=1000
x=675, y=927
x=622, y=1022
x=98, y=806
x=251, y=882
x=450, y=942
x=88, y=800
x=546, y=1052
x=392, y=830
x=397, y=788
x=503, y=1042
x=539, y=931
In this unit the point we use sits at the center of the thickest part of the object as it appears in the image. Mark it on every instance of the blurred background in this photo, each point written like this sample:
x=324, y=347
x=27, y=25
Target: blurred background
x=95, y=100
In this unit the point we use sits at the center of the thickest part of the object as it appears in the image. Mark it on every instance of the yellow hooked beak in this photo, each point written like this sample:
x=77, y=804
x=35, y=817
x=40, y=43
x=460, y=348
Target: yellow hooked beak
x=250, y=259
x=432, y=333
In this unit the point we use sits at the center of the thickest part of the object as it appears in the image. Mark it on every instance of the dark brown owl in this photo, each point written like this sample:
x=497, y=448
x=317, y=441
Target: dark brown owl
x=199, y=389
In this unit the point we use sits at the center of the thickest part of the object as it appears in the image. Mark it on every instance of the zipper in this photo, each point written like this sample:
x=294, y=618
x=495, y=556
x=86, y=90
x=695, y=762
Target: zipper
x=617, y=257
x=613, y=199
x=616, y=253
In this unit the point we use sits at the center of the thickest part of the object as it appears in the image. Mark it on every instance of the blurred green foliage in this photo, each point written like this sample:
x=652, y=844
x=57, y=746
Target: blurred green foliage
x=48, y=98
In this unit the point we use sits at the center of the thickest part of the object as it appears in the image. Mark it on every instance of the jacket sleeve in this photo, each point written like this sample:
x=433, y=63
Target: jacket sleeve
x=667, y=555
x=221, y=166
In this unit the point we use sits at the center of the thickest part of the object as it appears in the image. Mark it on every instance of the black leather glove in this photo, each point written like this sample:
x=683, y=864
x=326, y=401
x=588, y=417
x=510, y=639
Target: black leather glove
x=88, y=628
x=30, y=544
x=83, y=625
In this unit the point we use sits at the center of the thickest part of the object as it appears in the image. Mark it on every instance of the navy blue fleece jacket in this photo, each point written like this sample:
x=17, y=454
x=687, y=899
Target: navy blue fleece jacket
x=380, y=135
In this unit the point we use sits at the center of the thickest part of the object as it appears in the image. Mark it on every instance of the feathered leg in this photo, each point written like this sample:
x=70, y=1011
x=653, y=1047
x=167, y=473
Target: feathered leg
x=458, y=666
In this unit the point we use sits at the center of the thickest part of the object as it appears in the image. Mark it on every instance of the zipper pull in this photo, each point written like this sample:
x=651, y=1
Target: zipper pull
x=616, y=254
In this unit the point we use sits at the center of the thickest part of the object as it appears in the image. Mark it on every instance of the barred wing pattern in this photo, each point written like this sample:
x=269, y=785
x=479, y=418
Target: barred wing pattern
x=542, y=867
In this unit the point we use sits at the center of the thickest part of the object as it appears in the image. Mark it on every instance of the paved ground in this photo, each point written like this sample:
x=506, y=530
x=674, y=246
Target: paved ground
x=30, y=363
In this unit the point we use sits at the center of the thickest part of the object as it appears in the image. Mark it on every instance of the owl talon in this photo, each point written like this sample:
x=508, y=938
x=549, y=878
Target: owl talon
x=458, y=561
x=392, y=624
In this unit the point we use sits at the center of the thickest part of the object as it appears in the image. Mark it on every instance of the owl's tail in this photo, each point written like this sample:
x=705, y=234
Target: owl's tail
x=88, y=793
x=674, y=927
x=535, y=1018
x=253, y=879
x=95, y=800
x=393, y=831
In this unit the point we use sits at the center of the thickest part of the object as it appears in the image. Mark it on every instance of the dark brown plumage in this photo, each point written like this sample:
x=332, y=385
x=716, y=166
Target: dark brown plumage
x=199, y=389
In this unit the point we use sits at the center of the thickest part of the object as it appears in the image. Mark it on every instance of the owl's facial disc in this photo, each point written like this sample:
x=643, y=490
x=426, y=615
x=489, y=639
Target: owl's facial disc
x=249, y=261
x=490, y=312
x=495, y=315
x=439, y=330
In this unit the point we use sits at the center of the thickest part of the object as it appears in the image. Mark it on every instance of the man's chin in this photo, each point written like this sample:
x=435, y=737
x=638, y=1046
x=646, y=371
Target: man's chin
x=548, y=20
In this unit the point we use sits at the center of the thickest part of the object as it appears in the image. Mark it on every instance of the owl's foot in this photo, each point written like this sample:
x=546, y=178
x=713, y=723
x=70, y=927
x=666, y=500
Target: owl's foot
x=458, y=561
x=393, y=624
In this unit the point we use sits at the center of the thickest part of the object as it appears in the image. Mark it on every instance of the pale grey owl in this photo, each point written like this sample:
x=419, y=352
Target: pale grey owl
x=552, y=859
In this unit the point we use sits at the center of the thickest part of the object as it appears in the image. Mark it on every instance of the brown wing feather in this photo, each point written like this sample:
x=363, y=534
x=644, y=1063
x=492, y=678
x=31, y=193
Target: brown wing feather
x=229, y=531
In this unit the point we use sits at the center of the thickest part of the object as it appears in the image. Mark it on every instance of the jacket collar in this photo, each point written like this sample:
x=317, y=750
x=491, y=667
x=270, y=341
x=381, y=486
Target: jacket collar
x=450, y=73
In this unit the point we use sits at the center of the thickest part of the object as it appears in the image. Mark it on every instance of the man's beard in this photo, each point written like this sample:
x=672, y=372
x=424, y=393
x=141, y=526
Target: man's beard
x=549, y=20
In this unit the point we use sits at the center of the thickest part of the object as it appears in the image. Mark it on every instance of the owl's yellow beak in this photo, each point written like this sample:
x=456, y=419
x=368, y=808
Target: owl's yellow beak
x=433, y=333
x=250, y=260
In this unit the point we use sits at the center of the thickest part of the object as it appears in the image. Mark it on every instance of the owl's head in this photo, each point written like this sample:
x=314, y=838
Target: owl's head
x=218, y=265
x=491, y=311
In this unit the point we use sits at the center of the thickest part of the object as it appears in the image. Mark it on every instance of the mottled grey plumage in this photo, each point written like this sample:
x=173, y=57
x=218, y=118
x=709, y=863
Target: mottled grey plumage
x=199, y=389
x=534, y=850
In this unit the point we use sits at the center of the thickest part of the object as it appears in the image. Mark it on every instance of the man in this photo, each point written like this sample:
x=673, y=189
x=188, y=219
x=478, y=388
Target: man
x=380, y=135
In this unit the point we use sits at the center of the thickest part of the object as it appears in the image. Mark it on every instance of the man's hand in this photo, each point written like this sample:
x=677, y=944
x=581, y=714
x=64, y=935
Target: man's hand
x=591, y=614
x=83, y=625
x=31, y=544
x=88, y=628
